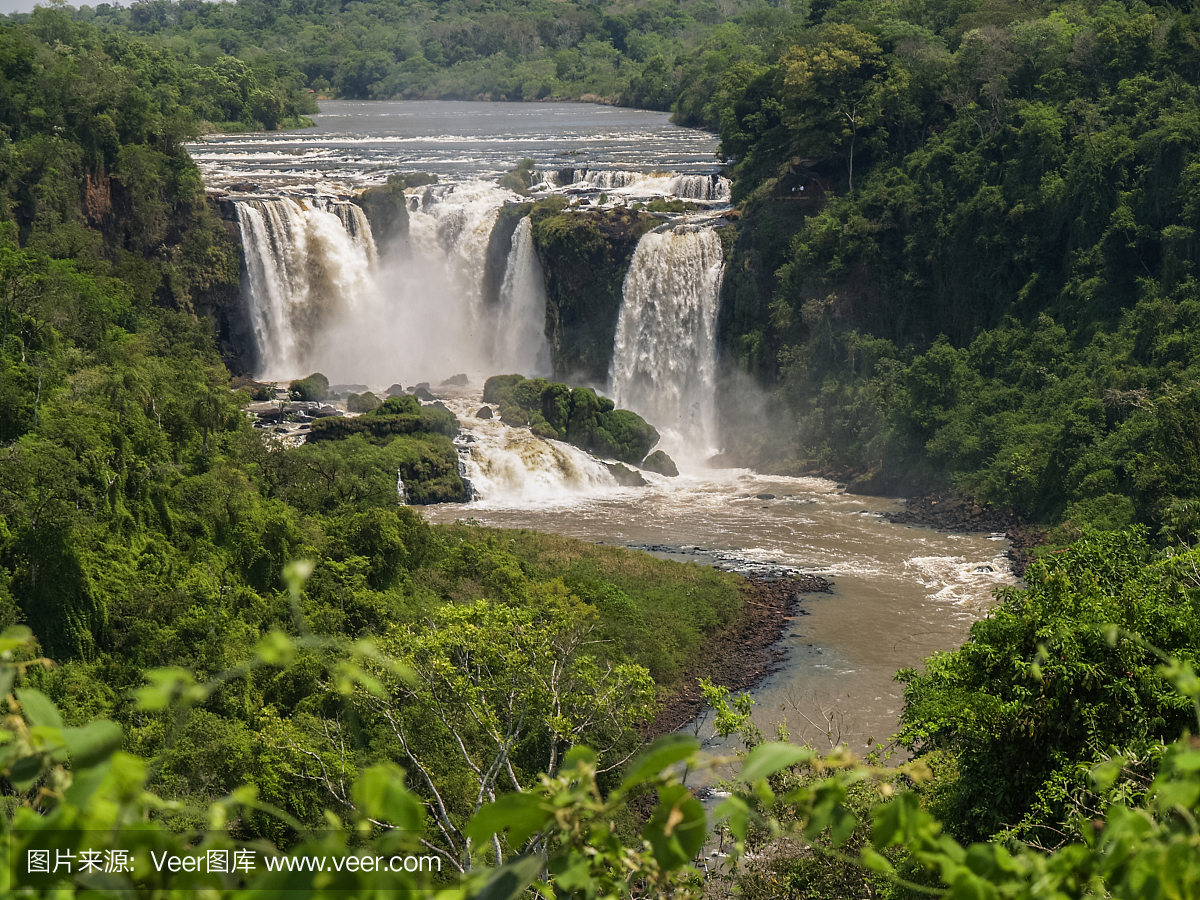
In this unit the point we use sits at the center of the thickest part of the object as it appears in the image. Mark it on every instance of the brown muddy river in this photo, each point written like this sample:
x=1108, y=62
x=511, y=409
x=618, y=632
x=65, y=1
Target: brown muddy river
x=900, y=592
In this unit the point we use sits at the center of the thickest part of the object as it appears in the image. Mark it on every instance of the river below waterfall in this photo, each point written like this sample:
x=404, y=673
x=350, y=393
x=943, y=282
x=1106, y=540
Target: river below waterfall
x=900, y=592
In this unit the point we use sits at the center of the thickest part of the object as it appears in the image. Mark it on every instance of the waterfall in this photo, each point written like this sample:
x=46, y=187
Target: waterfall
x=401, y=491
x=707, y=188
x=664, y=359
x=355, y=222
x=306, y=274
x=512, y=465
x=521, y=344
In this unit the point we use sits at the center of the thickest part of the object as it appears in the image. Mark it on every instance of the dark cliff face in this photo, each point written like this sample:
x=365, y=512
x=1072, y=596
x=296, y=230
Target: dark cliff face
x=225, y=303
x=499, y=247
x=585, y=256
x=386, y=209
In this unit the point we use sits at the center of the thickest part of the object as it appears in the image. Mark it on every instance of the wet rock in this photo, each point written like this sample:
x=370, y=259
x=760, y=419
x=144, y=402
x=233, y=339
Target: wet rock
x=458, y=380
x=423, y=394
x=484, y=412
x=659, y=462
x=244, y=187
x=626, y=477
x=871, y=484
x=395, y=390
x=764, y=497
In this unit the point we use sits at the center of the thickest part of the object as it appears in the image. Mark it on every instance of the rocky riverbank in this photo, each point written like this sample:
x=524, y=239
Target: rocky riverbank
x=743, y=653
x=949, y=512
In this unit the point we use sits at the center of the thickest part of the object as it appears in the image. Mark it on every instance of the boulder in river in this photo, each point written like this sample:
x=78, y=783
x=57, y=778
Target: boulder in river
x=626, y=477
x=395, y=390
x=659, y=462
x=423, y=394
x=458, y=380
x=484, y=412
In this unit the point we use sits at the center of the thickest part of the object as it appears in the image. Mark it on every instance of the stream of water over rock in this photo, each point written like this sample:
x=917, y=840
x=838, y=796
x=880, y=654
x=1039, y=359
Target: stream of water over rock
x=323, y=297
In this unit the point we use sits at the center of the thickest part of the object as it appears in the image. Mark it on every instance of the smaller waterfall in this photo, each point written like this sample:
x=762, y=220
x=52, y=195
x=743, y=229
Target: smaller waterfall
x=307, y=273
x=401, y=491
x=706, y=188
x=664, y=360
x=354, y=220
x=521, y=344
x=512, y=465
x=607, y=180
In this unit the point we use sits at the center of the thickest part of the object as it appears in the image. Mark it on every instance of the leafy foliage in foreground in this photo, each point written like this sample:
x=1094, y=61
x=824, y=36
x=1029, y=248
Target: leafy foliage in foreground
x=560, y=834
x=1042, y=692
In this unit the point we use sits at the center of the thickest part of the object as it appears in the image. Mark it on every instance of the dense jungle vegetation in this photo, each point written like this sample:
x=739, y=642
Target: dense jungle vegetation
x=146, y=524
x=967, y=253
x=646, y=54
x=986, y=281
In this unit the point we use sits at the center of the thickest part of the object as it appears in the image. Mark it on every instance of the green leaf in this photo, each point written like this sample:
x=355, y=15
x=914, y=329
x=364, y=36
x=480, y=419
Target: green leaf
x=664, y=752
x=25, y=772
x=511, y=880
x=677, y=829
x=381, y=794
x=14, y=637
x=876, y=862
x=38, y=708
x=522, y=814
x=737, y=812
x=92, y=743
x=579, y=754
x=767, y=759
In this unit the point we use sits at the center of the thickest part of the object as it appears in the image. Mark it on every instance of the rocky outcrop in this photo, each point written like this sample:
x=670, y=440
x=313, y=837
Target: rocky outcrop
x=659, y=462
x=387, y=211
x=585, y=255
x=625, y=476
x=495, y=263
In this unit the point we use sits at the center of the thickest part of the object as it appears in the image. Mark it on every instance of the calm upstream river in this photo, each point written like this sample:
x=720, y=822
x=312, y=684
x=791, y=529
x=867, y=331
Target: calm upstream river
x=360, y=142
x=901, y=593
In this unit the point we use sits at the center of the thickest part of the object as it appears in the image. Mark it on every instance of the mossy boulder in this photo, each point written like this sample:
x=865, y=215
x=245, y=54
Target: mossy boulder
x=418, y=436
x=313, y=388
x=394, y=416
x=659, y=462
x=361, y=403
x=579, y=416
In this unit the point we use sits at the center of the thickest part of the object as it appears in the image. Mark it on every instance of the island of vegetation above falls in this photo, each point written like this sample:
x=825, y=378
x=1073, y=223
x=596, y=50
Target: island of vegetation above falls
x=963, y=256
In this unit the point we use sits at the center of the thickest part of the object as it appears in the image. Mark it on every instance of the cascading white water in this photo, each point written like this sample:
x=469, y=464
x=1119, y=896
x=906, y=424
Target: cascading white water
x=706, y=188
x=664, y=360
x=355, y=221
x=508, y=466
x=323, y=298
x=306, y=275
x=521, y=344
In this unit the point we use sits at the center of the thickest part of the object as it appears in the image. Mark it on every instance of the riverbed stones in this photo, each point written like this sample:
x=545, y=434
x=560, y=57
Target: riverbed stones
x=626, y=477
x=659, y=462
x=459, y=380
x=484, y=412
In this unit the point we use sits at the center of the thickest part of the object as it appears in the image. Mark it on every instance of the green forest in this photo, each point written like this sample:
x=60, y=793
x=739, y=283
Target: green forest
x=962, y=260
